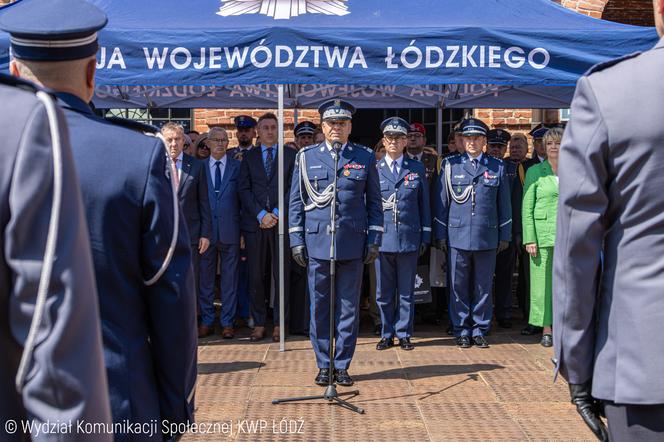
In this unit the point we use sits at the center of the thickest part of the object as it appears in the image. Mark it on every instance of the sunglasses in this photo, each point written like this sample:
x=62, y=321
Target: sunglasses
x=203, y=147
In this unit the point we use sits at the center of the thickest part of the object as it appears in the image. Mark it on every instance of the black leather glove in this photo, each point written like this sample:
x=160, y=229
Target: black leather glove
x=589, y=409
x=423, y=248
x=441, y=245
x=300, y=255
x=370, y=254
x=503, y=246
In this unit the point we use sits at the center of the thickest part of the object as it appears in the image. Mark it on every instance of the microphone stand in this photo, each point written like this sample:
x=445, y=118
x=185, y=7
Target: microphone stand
x=331, y=395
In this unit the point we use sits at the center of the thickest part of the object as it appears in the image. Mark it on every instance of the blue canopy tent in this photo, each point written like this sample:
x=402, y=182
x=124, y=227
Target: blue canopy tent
x=429, y=53
x=526, y=53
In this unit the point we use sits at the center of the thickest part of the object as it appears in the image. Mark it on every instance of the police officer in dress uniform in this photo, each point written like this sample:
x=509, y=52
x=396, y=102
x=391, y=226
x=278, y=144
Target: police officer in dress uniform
x=407, y=221
x=300, y=306
x=147, y=304
x=497, y=140
x=67, y=378
x=304, y=134
x=359, y=228
x=246, y=133
x=608, y=269
x=472, y=221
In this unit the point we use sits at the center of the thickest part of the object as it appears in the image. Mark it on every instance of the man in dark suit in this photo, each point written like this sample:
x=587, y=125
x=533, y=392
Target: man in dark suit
x=222, y=174
x=608, y=271
x=68, y=358
x=259, y=194
x=189, y=176
x=146, y=301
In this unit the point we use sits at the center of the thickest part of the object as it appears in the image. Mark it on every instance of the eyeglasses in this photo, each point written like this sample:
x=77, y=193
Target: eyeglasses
x=394, y=138
x=218, y=140
x=416, y=135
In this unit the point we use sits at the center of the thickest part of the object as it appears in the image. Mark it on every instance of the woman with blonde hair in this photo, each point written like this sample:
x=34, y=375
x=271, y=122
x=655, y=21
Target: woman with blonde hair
x=540, y=206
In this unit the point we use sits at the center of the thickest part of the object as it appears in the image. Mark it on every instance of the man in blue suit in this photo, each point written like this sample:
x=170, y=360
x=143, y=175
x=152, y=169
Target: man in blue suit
x=146, y=302
x=407, y=220
x=222, y=174
x=358, y=224
x=259, y=193
x=473, y=218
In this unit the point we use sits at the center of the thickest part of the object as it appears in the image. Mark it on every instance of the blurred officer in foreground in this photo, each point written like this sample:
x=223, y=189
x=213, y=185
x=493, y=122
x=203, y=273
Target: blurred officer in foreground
x=147, y=304
x=473, y=219
x=497, y=140
x=67, y=379
x=407, y=222
x=359, y=224
x=608, y=269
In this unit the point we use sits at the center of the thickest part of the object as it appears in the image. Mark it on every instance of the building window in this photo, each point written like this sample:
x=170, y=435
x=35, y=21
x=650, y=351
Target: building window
x=156, y=117
x=564, y=114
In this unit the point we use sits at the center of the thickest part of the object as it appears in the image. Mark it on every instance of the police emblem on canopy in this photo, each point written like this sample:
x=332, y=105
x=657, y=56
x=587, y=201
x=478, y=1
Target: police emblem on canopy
x=283, y=9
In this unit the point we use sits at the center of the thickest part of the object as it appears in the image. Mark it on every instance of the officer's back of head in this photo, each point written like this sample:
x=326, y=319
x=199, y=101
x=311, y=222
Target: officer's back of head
x=49, y=49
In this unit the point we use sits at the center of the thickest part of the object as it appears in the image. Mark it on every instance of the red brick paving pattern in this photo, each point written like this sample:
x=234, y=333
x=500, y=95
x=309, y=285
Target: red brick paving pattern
x=435, y=393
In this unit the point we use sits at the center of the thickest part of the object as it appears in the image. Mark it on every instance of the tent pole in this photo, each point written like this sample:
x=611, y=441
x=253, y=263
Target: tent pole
x=296, y=116
x=439, y=130
x=281, y=226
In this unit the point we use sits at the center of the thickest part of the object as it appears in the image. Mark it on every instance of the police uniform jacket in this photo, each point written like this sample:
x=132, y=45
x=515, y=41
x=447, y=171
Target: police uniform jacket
x=485, y=218
x=359, y=207
x=66, y=377
x=407, y=214
x=608, y=325
x=149, y=332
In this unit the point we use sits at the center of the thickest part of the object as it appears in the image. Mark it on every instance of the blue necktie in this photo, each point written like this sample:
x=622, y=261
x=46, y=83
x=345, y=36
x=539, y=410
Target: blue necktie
x=269, y=159
x=475, y=161
x=395, y=172
x=217, y=176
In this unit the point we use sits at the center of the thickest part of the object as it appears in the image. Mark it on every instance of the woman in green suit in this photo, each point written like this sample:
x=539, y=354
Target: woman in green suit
x=540, y=206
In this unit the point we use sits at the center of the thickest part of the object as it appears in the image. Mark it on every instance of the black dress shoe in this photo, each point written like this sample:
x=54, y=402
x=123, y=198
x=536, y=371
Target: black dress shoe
x=463, y=341
x=343, y=378
x=385, y=343
x=504, y=323
x=378, y=329
x=405, y=344
x=450, y=330
x=323, y=377
x=547, y=341
x=530, y=330
x=480, y=342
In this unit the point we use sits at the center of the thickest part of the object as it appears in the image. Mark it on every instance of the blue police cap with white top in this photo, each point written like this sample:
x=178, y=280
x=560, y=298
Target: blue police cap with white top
x=244, y=121
x=473, y=127
x=498, y=136
x=395, y=125
x=305, y=128
x=336, y=110
x=53, y=30
x=538, y=133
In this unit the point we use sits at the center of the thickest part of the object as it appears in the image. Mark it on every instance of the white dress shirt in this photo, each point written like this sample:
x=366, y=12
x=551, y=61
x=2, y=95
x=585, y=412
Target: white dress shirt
x=389, y=162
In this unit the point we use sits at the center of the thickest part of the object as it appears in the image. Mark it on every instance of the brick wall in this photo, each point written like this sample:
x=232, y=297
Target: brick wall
x=207, y=118
x=635, y=12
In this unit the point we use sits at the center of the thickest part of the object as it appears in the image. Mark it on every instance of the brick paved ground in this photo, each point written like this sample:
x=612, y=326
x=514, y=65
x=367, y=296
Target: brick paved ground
x=436, y=392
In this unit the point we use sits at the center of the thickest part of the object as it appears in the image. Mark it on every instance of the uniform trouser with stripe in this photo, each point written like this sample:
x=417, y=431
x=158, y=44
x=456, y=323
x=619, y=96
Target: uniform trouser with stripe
x=395, y=275
x=346, y=311
x=471, y=278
